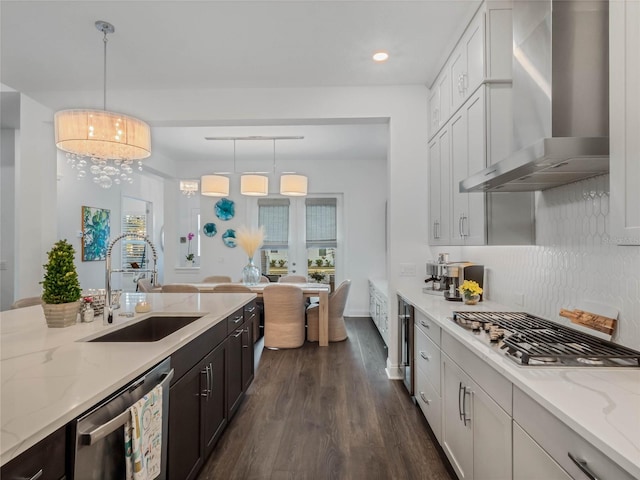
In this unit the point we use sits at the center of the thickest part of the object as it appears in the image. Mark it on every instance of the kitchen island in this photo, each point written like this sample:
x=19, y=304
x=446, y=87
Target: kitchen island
x=601, y=405
x=50, y=376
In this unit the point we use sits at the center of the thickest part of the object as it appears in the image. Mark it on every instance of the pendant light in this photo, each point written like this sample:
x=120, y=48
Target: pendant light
x=110, y=141
x=293, y=185
x=215, y=185
x=254, y=185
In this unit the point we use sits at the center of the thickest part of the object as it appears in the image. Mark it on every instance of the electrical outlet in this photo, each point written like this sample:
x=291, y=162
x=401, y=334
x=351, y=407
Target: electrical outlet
x=79, y=234
x=407, y=269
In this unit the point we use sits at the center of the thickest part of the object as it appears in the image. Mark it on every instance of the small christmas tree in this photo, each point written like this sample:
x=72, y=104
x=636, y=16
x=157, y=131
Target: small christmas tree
x=61, y=284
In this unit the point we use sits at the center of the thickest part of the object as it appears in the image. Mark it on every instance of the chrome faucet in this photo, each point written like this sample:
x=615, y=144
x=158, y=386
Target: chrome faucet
x=110, y=306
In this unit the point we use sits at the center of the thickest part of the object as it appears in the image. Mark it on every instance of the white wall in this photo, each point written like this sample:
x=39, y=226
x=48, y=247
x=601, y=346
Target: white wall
x=7, y=214
x=362, y=184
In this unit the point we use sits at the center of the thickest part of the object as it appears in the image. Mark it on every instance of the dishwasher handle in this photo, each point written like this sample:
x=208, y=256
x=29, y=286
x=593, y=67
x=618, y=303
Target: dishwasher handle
x=98, y=433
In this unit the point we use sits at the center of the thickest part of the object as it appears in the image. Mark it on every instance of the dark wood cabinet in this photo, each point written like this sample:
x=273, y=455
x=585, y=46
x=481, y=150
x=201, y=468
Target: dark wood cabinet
x=185, y=446
x=212, y=373
x=214, y=406
x=46, y=456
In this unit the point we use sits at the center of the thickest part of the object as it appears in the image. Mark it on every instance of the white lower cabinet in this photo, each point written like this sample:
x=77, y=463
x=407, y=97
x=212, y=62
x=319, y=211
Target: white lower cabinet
x=378, y=310
x=426, y=361
x=476, y=431
x=531, y=462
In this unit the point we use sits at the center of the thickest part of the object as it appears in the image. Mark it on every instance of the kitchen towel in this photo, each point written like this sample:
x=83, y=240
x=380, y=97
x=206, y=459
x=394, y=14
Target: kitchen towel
x=143, y=437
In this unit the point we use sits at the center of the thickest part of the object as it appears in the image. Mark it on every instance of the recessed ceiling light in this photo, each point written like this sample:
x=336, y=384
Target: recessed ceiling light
x=380, y=56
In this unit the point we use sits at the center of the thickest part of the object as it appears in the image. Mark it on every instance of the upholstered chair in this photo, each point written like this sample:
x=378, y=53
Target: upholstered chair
x=217, y=279
x=292, y=279
x=283, y=316
x=337, y=302
x=180, y=288
x=145, y=286
x=264, y=279
x=26, y=302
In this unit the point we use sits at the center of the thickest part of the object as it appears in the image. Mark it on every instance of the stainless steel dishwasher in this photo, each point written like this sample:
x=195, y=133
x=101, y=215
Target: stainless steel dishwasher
x=99, y=434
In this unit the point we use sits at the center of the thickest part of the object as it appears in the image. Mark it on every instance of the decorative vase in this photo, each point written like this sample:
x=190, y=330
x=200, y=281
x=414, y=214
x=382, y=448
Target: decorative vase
x=61, y=314
x=470, y=299
x=189, y=263
x=250, y=273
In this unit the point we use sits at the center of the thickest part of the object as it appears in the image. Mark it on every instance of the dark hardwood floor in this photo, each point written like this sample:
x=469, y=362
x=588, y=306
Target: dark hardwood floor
x=327, y=413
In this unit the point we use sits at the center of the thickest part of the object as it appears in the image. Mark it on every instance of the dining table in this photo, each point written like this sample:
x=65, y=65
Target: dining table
x=309, y=290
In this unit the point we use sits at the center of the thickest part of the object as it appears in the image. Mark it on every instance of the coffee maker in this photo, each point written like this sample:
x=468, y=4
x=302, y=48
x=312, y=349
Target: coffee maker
x=437, y=280
x=457, y=273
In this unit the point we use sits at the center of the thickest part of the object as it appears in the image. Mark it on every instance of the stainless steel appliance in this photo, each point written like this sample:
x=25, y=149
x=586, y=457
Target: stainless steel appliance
x=99, y=452
x=534, y=341
x=457, y=273
x=405, y=319
x=560, y=98
x=437, y=278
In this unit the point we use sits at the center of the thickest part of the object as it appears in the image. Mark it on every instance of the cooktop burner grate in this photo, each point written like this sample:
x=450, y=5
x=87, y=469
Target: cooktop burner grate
x=534, y=340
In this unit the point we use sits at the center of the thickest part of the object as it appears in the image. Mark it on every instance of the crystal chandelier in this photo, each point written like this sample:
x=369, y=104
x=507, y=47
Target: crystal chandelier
x=188, y=187
x=105, y=143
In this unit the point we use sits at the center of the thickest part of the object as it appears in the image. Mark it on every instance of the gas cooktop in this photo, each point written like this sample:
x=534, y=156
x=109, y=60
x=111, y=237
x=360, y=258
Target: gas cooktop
x=534, y=341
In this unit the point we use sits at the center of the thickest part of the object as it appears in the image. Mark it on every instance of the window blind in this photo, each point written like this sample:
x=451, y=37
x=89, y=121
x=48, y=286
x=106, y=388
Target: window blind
x=273, y=215
x=134, y=250
x=321, y=222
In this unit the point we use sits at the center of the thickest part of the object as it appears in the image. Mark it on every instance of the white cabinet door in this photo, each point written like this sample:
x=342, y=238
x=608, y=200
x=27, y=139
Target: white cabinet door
x=460, y=201
x=624, y=79
x=491, y=438
x=434, y=103
x=473, y=224
x=467, y=63
x=444, y=97
x=457, y=433
x=531, y=462
x=439, y=189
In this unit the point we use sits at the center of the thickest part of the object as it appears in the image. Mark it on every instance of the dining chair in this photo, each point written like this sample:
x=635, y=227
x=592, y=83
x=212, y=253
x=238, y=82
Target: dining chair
x=27, y=302
x=264, y=279
x=292, y=279
x=283, y=316
x=180, y=288
x=145, y=286
x=337, y=303
x=217, y=279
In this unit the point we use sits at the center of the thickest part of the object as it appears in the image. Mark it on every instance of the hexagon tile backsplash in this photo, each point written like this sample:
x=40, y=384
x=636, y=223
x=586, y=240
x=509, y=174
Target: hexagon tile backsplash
x=573, y=260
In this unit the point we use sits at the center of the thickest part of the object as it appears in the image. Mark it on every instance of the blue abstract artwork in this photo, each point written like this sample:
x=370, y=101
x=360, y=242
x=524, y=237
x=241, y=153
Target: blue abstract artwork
x=210, y=229
x=229, y=238
x=225, y=209
x=96, y=228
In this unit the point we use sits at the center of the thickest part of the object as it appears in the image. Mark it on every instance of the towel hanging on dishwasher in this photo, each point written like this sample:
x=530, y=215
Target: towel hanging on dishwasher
x=143, y=437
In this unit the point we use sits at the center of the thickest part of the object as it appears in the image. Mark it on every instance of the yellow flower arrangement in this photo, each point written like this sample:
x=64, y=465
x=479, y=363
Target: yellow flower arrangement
x=469, y=288
x=250, y=239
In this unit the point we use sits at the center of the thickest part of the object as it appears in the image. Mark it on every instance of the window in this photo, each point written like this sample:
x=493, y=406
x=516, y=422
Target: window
x=134, y=251
x=273, y=215
x=322, y=239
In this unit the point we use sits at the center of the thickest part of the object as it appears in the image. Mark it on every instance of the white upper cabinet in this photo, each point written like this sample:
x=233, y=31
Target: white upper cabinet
x=624, y=91
x=467, y=63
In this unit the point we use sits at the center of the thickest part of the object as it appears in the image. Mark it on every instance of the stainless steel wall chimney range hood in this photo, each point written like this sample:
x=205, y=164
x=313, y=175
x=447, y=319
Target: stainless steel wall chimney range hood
x=560, y=98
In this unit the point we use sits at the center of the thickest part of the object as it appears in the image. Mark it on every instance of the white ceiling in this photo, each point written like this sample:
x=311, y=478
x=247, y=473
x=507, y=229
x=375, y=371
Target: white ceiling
x=51, y=51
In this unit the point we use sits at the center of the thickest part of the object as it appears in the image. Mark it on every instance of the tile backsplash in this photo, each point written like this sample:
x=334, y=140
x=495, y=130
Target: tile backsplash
x=573, y=260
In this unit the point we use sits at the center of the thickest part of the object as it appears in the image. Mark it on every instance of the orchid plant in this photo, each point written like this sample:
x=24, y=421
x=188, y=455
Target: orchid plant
x=190, y=256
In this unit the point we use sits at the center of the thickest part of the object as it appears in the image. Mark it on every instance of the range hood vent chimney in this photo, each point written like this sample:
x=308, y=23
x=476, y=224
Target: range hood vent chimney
x=560, y=98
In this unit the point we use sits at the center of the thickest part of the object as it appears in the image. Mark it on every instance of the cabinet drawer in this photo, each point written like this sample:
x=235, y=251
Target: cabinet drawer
x=47, y=456
x=428, y=327
x=497, y=386
x=429, y=401
x=427, y=358
x=530, y=462
x=235, y=321
x=559, y=441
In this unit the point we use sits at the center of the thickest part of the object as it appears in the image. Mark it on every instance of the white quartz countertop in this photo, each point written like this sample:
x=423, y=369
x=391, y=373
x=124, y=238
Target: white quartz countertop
x=49, y=376
x=601, y=404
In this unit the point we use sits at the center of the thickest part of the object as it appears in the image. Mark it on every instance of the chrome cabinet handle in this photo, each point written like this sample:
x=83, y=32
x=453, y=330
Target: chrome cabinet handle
x=424, y=324
x=238, y=319
x=425, y=399
x=465, y=419
x=35, y=477
x=205, y=392
x=460, y=225
x=209, y=379
x=464, y=217
x=425, y=356
x=246, y=330
x=460, y=400
x=582, y=465
x=238, y=333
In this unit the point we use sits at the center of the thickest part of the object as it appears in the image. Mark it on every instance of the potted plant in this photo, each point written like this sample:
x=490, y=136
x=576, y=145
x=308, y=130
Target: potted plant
x=190, y=256
x=317, y=276
x=319, y=262
x=61, y=288
x=470, y=291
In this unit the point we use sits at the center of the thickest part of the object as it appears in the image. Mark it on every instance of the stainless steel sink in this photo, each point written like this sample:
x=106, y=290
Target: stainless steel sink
x=150, y=329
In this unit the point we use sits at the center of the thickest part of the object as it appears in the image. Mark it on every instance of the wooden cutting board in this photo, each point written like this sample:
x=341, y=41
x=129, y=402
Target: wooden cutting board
x=592, y=317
